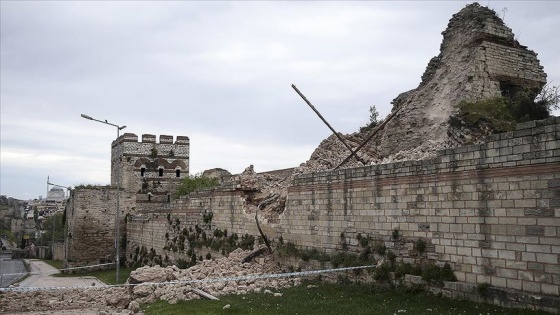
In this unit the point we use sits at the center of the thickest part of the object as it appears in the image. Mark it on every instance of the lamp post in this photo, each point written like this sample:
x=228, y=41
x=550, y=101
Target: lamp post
x=117, y=223
x=54, y=221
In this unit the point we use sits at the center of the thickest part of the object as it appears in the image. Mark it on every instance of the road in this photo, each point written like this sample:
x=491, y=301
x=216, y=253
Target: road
x=9, y=268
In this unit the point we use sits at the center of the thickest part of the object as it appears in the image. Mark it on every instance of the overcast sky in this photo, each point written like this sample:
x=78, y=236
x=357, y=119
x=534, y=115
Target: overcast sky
x=217, y=72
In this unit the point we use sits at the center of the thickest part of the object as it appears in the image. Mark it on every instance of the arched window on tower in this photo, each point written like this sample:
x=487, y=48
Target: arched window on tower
x=161, y=172
x=142, y=171
x=177, y=173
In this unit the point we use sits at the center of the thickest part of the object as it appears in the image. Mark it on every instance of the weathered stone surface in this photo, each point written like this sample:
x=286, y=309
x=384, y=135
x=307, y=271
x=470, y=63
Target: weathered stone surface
x=152, y=274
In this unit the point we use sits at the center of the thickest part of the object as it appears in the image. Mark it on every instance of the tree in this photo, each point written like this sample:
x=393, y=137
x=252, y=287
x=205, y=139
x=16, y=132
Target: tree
x=51, y=223
x=549, y=97
x=373, y=116
x=373, y=119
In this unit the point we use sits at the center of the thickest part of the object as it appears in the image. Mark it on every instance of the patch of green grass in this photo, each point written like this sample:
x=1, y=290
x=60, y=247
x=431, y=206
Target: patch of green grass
x=106, y=276
x=355, y=299
x=55, y=263
x=496, y=111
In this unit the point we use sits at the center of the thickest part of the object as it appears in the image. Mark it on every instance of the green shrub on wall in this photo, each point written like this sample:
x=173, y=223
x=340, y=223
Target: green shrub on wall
x=194, y=183
x=517, y=105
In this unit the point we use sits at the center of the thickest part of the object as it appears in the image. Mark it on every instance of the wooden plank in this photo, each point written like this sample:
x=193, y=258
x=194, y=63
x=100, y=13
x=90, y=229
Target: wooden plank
x=204, y=294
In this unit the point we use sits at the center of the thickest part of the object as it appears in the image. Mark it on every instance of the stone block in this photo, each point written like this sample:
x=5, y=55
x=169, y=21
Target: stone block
x=550, y=289
x=531, y=286
x=514, y=284
x=547, y=258
x=539, y=212
x=538, y=248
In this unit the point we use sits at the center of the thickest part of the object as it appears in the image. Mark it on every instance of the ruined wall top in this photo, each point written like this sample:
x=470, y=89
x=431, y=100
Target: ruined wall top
x=149, y=138
x=479, y=59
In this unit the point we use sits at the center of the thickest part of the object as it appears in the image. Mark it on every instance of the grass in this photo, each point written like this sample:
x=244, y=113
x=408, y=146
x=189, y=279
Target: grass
x=55, y=263
x=355, y=299
x=105, y=276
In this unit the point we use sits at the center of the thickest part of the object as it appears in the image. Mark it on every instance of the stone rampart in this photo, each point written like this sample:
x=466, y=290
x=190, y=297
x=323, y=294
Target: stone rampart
x=90, y=218
x=492, y=210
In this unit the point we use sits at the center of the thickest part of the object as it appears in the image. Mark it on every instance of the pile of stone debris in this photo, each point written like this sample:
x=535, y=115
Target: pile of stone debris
x=148, y=284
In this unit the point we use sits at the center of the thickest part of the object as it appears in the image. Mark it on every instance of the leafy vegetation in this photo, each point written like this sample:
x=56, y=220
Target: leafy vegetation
x=516, y=106
x=328, y=298
x=194, y=183
x=53, y=223
x=495, y=111
x=373, y=119
x=55, y=263
x=338, y=259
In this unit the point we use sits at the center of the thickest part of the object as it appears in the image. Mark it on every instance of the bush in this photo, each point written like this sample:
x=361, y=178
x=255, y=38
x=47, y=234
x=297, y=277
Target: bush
x=407, y=269
x=382, y=272
x=515, y=106
x=482, y=289
x=420, y=246
x=183, y=264
x=436, y=275
x=194, y=183
x=379, y=247
x=218, y=233
x=396, y=234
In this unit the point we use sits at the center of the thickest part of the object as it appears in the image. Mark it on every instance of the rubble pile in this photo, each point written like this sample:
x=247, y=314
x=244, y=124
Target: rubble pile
x=147, y=285
x=232, y=266
x=102, y=299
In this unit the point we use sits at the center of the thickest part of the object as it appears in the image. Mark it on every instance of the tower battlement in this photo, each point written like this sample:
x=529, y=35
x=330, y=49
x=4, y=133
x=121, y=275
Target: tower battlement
x=149, y=138
x=149, y=165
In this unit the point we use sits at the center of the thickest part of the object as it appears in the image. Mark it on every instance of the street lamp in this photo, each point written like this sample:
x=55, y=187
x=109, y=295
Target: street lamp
x=54, y=221
x=117, y=223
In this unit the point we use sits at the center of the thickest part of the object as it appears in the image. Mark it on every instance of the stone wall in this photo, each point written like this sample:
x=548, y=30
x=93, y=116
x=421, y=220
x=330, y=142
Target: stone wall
x=492, y=210
x=90, y=220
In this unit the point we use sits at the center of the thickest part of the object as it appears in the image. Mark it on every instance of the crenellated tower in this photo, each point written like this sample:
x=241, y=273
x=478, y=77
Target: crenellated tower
x=153, y=170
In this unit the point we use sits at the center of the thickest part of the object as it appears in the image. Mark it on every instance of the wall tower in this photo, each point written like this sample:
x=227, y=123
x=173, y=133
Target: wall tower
x=153, y=170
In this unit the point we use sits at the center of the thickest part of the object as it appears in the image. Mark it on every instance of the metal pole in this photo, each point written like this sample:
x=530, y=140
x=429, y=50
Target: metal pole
x=117, y=223
x=369, y=138
x=352, y=153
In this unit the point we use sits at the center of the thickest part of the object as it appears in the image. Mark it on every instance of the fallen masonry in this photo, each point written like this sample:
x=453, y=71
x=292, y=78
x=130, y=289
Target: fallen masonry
x=123, y=299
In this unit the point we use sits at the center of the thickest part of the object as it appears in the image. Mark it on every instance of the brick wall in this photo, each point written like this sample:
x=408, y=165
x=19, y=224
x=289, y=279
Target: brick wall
x=492, y=210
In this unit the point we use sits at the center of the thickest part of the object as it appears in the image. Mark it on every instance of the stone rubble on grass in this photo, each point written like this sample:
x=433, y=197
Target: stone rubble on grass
x=149, y=287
